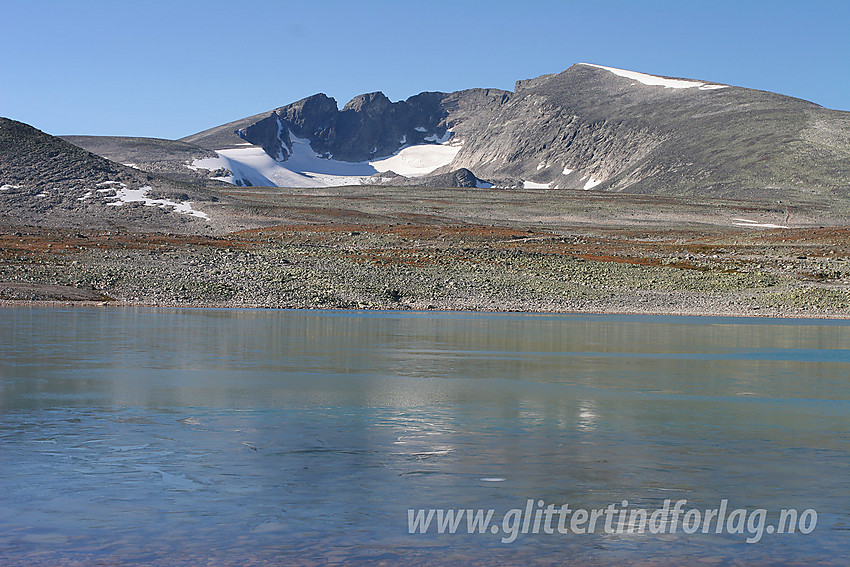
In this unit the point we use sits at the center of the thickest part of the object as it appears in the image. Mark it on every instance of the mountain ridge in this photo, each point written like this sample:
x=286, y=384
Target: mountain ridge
x=589, y=127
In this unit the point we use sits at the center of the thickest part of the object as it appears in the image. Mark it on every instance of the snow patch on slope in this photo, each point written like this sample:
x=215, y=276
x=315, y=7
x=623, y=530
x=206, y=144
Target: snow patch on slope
x=754, y=224
x=439, y=139
x=124, y=195
x=655, y=81
x=591, y=183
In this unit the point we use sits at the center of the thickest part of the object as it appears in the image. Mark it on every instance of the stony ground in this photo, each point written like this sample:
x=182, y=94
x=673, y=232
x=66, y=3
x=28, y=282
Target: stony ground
x=724, y=271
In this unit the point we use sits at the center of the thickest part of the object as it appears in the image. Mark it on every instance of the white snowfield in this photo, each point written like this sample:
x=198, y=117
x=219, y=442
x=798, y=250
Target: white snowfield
x=6, y=187
x=416, y=161
x=654, y=81
x=305, y=168
x=124, y=195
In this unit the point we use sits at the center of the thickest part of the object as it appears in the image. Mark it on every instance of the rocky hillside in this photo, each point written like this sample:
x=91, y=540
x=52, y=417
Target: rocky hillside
x=46, y=181
x=595, y=128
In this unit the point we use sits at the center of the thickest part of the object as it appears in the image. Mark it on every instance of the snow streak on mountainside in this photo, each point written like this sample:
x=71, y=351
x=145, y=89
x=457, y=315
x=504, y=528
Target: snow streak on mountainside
x=653, y=80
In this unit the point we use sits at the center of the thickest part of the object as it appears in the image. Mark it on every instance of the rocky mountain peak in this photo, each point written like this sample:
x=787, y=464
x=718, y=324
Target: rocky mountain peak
x=371, y=103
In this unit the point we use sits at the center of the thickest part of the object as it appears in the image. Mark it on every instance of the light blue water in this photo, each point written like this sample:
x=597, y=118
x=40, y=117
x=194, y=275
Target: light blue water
x=239, y=437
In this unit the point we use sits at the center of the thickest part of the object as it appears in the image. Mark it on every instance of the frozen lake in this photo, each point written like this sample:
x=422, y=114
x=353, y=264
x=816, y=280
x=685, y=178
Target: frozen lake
x=260, y=437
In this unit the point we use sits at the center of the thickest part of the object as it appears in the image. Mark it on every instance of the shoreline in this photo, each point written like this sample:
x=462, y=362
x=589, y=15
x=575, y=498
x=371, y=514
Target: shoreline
x=7, y=303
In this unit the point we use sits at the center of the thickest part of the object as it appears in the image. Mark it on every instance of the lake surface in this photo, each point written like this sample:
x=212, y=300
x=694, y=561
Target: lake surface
x=257, y=437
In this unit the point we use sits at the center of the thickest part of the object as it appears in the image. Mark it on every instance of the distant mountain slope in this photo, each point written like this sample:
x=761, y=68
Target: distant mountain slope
x=47, y=181
x=587, y=128
x=154, y=155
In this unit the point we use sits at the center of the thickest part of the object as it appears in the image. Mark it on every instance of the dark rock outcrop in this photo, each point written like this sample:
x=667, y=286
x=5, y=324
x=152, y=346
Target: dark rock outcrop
x=367, y=127
x=458, y=178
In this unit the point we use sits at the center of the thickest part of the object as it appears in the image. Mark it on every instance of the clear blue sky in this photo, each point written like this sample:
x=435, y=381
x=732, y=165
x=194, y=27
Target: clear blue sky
x=171, y=68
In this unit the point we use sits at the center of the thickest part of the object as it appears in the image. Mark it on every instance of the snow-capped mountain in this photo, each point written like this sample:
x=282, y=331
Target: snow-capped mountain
x=590, y=127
